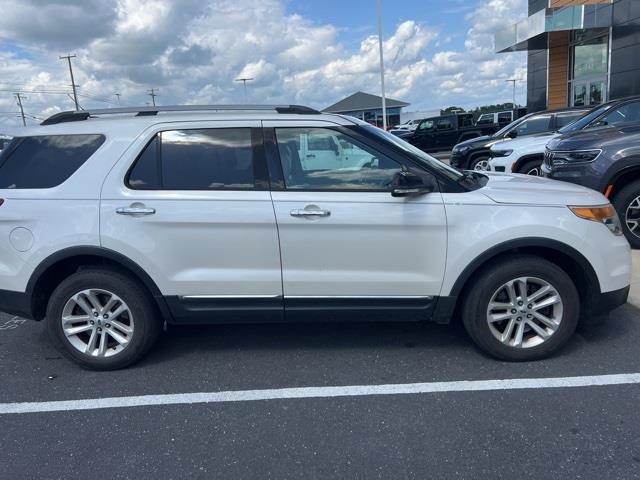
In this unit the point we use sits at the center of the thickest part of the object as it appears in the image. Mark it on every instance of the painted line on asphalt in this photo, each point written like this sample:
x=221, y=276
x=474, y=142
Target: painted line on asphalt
x=317, y=392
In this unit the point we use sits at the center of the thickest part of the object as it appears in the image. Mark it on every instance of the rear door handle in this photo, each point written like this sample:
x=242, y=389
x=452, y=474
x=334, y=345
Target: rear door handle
x=135, y=211
x=310, y=213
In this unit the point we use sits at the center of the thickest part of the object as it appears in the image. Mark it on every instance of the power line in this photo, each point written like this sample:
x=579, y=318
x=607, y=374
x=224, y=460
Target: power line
x=73, y=83
x=153, y=95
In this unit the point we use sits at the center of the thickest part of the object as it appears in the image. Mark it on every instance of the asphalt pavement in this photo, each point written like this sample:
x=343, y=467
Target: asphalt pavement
x=578, y=432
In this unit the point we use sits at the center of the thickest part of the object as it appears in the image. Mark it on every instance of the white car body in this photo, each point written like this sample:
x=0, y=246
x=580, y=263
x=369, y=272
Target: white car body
x=208, y=246
x=409, y=126
x=518, y=149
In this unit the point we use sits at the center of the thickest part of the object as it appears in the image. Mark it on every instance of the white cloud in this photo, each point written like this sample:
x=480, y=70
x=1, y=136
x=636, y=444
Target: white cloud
x=192, y=51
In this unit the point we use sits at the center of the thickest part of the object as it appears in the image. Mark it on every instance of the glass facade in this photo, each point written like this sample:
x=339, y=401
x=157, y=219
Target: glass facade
x=374, y=117
x=589, y=68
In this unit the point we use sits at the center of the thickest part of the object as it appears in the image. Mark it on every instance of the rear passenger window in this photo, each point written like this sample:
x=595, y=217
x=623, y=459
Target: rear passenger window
x=45, y=161
x=207, y=159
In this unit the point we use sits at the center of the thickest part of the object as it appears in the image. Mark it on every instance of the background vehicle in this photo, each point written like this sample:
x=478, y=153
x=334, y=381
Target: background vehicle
x=526, y=155
x=474, y=154
x=115, y=222
x=442, y=133
x=606, y=159
x=409, y=126
x=497, y=118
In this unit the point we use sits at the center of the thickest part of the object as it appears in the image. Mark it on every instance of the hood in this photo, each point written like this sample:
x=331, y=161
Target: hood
x=601, y=137
x=473, y=141
x=518, y=143
x=525, y=189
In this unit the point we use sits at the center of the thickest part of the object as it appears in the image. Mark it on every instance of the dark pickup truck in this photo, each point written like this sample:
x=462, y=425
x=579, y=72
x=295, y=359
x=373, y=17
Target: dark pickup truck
x=442, y=133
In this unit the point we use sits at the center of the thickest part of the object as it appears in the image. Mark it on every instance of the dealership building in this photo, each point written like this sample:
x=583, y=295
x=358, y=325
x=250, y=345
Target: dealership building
x=368, y=107
x=580, y=52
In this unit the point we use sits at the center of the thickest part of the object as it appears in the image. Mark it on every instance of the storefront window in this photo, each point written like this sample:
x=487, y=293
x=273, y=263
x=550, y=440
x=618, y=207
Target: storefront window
x=589, y=67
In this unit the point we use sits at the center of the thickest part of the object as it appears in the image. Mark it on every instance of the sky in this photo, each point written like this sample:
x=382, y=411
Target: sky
x=438, y=53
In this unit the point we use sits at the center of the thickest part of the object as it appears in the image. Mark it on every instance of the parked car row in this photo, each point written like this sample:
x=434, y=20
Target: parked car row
x=599, y=150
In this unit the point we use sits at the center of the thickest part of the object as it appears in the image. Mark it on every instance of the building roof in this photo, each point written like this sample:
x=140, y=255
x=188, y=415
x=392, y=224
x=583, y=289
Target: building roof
x=362, y=101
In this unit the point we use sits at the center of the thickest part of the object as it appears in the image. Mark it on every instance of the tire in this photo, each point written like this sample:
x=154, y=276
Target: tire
x=479, y=162
x=624, y=203
x=532, y=167
x=138, y=324
x=476, y=309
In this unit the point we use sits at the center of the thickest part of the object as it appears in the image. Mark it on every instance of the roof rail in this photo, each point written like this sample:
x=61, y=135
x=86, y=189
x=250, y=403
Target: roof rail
x=76, y=116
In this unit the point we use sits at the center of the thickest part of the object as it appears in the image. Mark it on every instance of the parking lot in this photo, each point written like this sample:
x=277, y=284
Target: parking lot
x=410, y=420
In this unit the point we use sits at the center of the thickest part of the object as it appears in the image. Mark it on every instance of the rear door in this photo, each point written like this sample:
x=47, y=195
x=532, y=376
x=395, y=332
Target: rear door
x=349, y=249
x=194, y=211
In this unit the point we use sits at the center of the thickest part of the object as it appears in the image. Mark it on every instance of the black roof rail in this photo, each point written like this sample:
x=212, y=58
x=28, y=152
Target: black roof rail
x=75, y=116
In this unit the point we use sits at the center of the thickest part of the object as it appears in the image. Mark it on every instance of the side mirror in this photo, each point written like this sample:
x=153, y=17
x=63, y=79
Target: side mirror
x=512, y=134
x=407, y=184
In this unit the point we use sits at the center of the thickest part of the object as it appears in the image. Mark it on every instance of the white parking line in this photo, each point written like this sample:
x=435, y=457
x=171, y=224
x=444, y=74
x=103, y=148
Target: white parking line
x=318, y=392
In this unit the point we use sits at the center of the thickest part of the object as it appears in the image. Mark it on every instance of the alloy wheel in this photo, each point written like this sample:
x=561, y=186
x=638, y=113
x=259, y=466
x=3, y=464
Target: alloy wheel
x=97, y=323
x=632, y=217
x=481, y=166
x=524, y=312
x=535, y=171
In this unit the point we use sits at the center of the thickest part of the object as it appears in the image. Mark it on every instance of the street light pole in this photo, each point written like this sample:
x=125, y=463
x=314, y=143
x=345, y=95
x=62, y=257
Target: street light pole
x=244, y=82
x=513, y=80
x=380, y=42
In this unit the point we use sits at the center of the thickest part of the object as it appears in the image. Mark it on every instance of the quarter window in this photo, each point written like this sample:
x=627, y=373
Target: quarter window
x=45, y=161
x=206, y=159
x=350, y=165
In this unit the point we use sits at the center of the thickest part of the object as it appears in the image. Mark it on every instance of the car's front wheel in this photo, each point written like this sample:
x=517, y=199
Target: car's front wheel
x=522, y=308
x=102, y=319
x=627, y=204
x=532, y=167
x=479, y=164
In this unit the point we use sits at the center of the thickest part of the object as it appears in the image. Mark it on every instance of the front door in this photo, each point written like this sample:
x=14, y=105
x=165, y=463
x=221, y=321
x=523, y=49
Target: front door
x=349, y=249
x=194, y=211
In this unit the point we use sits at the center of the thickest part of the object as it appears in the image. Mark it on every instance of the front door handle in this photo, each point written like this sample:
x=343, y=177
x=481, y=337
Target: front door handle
x=135, y=211
x=311, y=212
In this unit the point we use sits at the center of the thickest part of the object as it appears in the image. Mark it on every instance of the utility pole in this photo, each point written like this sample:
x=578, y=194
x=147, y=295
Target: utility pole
x=73, y=83
x=380, y=42
x=118, y=97
x=153, y=95
x=244, y=82
x=19, y=98
x=513, y=80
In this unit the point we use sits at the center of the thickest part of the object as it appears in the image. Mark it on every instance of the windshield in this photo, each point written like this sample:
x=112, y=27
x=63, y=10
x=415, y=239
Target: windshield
x=585, y=120
x=416, y=153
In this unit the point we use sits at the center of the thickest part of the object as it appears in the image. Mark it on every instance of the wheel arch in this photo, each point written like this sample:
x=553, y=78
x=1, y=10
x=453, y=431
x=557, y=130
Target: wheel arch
x=517, y=165
x=623, y=178
x=58, y=266
x=561, y=254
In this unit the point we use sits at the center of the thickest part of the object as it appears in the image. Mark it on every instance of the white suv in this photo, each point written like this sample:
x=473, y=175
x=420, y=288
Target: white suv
x=115, y=222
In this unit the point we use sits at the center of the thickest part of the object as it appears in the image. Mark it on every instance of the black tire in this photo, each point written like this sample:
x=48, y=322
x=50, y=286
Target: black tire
x=148, y=323
x=621, y=203
x=489, y=280
x=476, y=160
x=531, y=166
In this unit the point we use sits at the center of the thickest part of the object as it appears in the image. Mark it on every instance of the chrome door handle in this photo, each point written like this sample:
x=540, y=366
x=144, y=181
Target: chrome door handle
x=310, y=213
x=135, y=211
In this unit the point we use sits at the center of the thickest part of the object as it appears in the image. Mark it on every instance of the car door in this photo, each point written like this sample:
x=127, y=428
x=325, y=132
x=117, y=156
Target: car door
x=446, y=134
x=194, y=212
x=423, y=137
x=349, y=249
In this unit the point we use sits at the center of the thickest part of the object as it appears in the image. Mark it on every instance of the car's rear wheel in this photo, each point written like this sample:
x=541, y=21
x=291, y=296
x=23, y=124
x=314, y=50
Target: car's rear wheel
x=102, y=319
x=522, y=308
x=480, y=164
x=627, y=204
x=532, y=167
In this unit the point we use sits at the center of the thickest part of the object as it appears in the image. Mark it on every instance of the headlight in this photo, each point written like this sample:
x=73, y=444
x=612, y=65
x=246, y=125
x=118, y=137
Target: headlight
x=464, y=149
x=573, y=158
x=604, y=214
x=501, y=153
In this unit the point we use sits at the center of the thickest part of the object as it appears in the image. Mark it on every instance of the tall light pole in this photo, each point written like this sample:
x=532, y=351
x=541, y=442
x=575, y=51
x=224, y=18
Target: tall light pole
x=513, y=80
x=380, y=42
x=244, y=82
x=73, y=83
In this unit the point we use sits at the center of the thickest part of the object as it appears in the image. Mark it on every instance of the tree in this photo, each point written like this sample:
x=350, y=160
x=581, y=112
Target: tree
x=449, y=110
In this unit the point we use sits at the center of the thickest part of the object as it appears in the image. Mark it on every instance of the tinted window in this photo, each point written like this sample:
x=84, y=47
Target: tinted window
x=534, y=125
x=207, y=159
x=46, y=161
x=625, y=114
x=585, y=120
x=352, y=166
x=567, y=118
x=504, y=117
x=445, y=124
x=145, y=174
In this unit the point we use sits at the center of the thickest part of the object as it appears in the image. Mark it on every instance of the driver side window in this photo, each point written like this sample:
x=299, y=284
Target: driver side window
x=342, y=163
